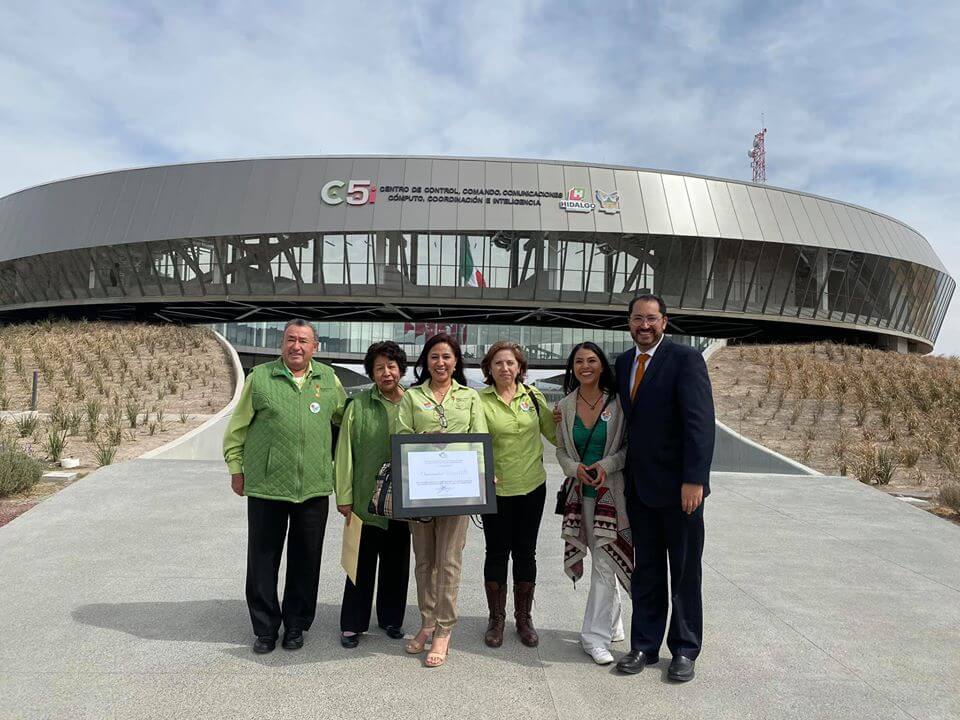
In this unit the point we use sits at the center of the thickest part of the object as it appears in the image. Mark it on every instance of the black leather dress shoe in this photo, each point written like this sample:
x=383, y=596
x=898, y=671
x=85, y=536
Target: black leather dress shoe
x=635, y=661
x=392, y=631
x=681, y=669
x=292, y=639
x=264, y=644
x=350, y=641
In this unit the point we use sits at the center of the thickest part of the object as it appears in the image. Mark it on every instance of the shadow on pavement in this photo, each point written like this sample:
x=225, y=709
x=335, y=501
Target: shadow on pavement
x=226, y=622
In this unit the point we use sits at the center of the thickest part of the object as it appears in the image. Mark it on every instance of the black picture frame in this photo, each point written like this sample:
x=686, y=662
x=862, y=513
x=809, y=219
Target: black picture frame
x=405, y=507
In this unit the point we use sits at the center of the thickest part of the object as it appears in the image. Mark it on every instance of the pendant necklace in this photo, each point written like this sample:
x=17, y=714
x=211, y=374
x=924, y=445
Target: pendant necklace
x=591, y=405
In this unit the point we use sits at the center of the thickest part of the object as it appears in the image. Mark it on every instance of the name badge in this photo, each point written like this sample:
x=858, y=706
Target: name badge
x=428, y=405
x=314, y=407
x=606, y=415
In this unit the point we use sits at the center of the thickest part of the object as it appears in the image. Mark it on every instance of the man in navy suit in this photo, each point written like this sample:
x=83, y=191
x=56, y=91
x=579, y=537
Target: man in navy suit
x=666, y=395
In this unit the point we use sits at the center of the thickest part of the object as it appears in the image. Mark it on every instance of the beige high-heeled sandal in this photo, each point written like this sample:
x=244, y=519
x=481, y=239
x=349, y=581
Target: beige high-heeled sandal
x=415, y=648
x=436, y=659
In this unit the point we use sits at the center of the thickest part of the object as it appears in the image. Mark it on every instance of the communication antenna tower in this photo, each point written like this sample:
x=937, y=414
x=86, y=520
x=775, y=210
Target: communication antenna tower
x=758, y=157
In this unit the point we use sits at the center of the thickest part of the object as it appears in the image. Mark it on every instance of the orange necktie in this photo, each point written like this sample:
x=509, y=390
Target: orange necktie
x=641, y=364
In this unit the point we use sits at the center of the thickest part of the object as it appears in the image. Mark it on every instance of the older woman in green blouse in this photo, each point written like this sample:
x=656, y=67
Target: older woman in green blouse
x=439, y=401
x=364, y=446
x=517, y=415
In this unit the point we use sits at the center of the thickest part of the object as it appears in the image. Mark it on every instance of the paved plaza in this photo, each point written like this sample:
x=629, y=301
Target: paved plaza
x=122, y=597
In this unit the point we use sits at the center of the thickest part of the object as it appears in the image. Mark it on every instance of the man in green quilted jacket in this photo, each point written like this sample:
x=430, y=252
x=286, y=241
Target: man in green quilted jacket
x=279, y=452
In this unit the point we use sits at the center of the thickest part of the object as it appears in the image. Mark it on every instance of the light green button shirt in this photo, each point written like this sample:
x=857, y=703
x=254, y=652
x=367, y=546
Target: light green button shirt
x=516, y=430
x=461, y=407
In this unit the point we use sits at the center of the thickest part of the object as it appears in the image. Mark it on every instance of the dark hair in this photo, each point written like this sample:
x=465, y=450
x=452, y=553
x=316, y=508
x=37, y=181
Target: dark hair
x=647, y=298
x=608, y=383
x=299, y=322
x=391, y=351
x=420, y=371
x=494, y=349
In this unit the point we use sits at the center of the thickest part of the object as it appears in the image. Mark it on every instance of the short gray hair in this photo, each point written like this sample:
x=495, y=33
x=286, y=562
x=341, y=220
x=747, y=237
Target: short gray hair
x=300, y=323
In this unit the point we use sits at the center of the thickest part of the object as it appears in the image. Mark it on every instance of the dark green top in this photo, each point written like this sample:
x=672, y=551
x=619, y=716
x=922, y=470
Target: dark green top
x=589, y=455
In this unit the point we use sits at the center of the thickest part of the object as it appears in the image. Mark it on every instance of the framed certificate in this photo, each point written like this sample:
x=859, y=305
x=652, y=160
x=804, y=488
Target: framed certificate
x=442, y=474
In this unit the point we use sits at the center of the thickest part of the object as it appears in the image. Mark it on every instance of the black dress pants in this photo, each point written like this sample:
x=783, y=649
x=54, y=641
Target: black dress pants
x=391, y=548
x=269, y=522
x=513, y=530
x=662, y=538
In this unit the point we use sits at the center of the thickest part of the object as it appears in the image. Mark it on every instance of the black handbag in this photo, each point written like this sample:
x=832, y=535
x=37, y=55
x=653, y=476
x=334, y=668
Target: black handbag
x=561, y=506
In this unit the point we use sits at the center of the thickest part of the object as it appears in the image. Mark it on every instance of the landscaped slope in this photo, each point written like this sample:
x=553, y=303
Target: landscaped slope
x=107, y=391
x=884, y=418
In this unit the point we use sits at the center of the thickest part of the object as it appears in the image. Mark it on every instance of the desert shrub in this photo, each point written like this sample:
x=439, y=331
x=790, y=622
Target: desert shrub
x=104, y=453
x=74, y=421
x=887, y=462
x=56, y=443
x=909, y=455
x=875, y=464
x=94, y=406
x=133, y=412
x=58, y=417
x=18, y=470
x=949, y=495
x=861, y=416
x=26, y=424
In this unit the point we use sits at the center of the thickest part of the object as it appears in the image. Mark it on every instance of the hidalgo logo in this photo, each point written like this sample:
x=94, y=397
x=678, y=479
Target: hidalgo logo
x=577, y=201
x=608, y=202
x=358, y=192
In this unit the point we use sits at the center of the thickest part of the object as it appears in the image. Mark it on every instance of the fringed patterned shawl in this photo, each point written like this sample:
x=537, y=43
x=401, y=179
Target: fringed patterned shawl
x=610, y=528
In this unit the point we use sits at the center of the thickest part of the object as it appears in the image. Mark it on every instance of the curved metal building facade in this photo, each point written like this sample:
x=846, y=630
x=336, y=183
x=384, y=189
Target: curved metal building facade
x=466, y=240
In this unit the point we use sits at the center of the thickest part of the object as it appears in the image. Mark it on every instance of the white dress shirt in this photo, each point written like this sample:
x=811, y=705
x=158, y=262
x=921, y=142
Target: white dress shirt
x=636, y=358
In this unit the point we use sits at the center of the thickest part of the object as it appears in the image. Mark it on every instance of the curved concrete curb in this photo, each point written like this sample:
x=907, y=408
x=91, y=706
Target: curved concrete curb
x=205, y=442
x=735, y=453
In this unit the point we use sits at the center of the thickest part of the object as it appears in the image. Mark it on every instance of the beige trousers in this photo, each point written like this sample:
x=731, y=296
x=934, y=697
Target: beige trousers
x=438, y=549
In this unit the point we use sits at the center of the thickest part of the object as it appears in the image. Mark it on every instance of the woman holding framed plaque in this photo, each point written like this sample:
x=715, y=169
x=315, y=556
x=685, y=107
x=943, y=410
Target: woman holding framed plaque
x=517, y=416
x=591, y=452
x=439, y=402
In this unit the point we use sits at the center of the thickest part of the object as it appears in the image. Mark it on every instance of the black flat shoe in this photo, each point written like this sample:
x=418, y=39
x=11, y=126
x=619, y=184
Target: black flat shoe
x=350, y=641
x=393, y=632
x=681, y=669
x=264, y=644
x=635, y=661
x=292, y=639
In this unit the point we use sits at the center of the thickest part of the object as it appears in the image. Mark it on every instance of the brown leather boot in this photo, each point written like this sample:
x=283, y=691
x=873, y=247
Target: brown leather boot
x=497, y=602
x=522, y=604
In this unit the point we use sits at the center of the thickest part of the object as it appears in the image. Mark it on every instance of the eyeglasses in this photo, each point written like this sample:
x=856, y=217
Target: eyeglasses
x=441, y=416
x=648, y=319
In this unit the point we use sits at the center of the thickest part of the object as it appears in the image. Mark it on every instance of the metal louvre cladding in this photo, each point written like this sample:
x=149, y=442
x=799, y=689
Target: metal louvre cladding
x=479, y=240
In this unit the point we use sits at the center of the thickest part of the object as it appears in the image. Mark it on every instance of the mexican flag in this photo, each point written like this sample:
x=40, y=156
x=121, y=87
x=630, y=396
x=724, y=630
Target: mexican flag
x=469, y=275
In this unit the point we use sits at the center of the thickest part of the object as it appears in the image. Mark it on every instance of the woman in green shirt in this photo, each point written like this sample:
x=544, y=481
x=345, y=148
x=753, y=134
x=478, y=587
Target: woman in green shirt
x=591, y=452
x=439, y=401
x=363, y=446
x=517, y=415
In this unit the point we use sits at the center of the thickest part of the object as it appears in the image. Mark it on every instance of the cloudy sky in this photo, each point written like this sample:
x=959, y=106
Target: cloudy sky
x=860, y=98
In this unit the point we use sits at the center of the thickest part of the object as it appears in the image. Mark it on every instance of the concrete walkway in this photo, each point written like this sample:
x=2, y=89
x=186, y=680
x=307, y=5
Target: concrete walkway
x=122, y=597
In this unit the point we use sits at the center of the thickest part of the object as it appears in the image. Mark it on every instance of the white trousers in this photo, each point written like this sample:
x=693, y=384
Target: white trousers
x=601, y=620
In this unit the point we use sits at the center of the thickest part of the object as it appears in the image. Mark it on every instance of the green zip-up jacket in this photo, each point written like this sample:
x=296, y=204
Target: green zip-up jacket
x=279, y=433
x=363, y=447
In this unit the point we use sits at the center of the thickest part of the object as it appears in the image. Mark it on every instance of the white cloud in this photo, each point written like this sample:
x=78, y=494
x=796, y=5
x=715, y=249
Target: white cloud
x=859, y=98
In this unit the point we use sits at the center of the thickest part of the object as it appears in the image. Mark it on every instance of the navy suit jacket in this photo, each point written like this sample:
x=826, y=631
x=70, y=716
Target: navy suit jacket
x=670, y=424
